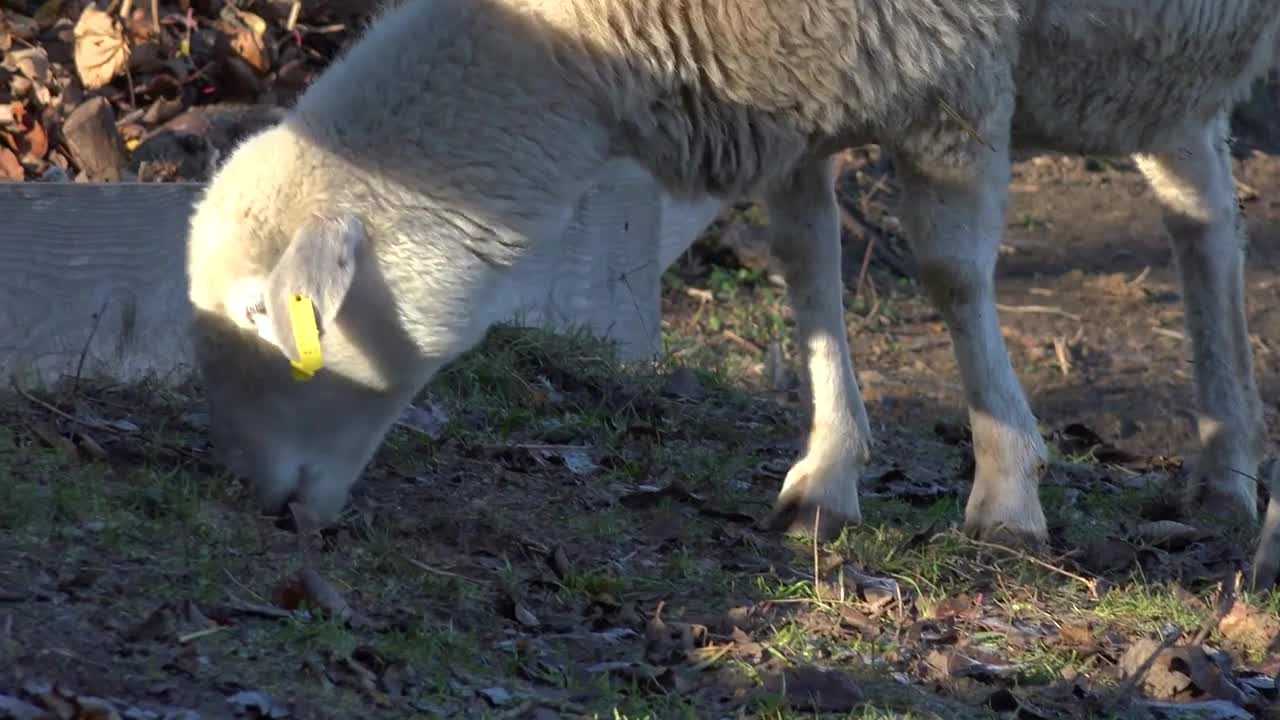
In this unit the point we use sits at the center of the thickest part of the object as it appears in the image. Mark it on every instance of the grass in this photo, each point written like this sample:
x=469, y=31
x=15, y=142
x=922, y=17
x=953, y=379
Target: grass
x=473, y=567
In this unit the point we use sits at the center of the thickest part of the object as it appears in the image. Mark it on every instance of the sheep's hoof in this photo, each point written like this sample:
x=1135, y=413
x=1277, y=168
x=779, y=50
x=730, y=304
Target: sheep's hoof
x=797, y=517
x=1222, y=497
x=1015, y=538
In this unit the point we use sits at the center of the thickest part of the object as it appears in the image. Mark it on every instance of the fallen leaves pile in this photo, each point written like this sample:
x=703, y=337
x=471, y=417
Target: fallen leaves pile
x=104, y=92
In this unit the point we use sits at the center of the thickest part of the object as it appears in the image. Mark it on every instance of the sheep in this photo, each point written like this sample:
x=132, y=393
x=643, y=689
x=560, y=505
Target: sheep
x=415, y=195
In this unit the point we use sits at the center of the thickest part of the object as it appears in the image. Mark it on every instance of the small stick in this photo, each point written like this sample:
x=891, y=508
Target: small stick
x=84, y=351
x=1044, y=309
x=817, y=583
x=245, y=608
x=184, y=639
x=437, y=571
x=740, y=341
x=1090, y=583
x=866, y=266
x=64, y=415
x=1060, y=349
x=294, y=11
x=155, y=15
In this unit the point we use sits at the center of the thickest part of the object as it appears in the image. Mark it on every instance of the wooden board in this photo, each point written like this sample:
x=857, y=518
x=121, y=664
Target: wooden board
x=93, y=281
x=93, y=270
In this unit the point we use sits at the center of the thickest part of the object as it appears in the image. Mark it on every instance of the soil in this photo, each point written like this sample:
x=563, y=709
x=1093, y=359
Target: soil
x=549, y=535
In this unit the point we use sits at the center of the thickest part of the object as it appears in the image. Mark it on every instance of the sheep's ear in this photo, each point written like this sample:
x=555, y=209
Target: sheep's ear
x=319, y=266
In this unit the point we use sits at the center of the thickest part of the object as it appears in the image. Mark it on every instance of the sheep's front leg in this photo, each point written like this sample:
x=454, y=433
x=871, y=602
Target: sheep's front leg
x=822, y=486
x=1194, y=184
x=954, y=208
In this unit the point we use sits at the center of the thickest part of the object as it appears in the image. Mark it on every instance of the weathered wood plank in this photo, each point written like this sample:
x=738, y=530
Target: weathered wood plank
x=97, y=271
x=94, y=269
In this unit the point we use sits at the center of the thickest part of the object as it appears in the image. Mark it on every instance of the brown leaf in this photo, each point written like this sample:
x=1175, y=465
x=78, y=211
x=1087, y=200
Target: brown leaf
x=972, y=662
x=1078, y=636
x=101, y=51
x=813, y=688
x=1168, y=534
x=34, y=143
x=896, y=483
x=961, y=606
x=1250, y=627
x=19, y=26
x=246, y=39
x=1179, y=673
x=10, y=168
x=668, y=643
x=559, y=562
x=307, y=587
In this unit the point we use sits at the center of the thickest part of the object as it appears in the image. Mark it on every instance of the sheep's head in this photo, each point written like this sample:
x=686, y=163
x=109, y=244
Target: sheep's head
x=296, y=347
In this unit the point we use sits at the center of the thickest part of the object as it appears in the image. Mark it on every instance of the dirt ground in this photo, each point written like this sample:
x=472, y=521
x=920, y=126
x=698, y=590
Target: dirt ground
x=1086, y=261
x=550, y=534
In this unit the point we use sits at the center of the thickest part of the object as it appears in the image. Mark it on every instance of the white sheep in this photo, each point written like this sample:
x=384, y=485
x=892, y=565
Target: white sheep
x=417, y=192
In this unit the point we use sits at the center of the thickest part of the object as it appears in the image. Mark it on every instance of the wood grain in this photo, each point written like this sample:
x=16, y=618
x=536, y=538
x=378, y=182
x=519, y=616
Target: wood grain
x=101, y=261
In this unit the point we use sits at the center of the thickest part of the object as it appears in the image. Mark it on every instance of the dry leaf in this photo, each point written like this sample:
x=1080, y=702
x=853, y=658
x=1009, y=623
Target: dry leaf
x=19, y=26
x=1249, y=627
x=246, y=39
x=816, y=689
x=33, y=143
x=1168, y=534
x=10, y=168
x=48, y=11
x=308, y=587
x=101, y=51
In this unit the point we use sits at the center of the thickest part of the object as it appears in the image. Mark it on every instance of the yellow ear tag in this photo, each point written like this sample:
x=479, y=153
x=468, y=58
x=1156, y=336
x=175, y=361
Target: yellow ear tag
x=307, y=338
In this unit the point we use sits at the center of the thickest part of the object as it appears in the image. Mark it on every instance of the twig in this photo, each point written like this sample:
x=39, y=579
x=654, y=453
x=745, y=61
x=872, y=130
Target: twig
x=244, y=587
x=294, y=11
x=817, y=581
x=84, y=351
x=64, y=415
x=247, y=608
x=155, y=16
x=740, y=341
x=1091, y=584
x=866, y=266
x=176, y=449
x=1043, y=309
x=184, y=639
x=444, y=573
x=1064, y=361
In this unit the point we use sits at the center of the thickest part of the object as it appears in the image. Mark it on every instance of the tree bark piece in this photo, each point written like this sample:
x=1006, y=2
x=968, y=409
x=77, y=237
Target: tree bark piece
x=95, y=145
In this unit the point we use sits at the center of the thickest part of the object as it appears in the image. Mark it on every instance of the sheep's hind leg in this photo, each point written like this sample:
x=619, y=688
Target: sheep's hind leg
x=1194, y=183
x=822, y=487
x=954, y=204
